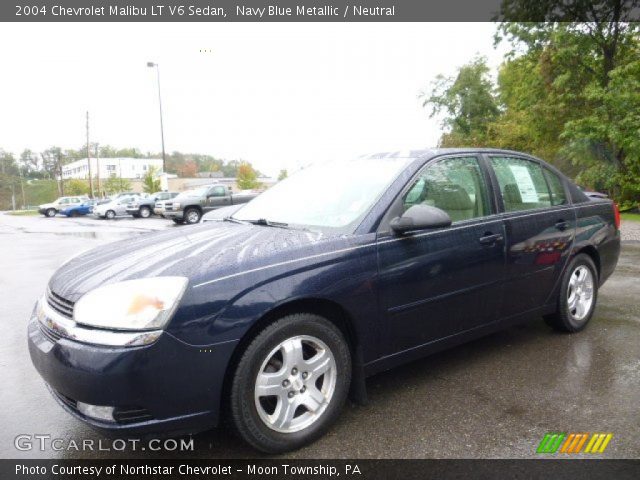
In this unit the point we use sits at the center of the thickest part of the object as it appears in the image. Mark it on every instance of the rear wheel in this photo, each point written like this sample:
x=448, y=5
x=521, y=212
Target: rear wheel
x=192, y=215
x=578, y=296
x=291, y=383
x=145, y=212
x=50, y=212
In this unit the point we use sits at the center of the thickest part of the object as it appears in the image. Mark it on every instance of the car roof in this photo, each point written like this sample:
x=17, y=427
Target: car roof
x=435, y=152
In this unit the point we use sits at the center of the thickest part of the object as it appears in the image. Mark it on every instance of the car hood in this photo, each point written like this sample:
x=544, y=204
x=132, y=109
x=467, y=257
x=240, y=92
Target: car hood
x=48, y=205
x=194, y=252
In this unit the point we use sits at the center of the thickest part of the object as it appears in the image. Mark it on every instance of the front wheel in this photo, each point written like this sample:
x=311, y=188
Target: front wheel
x=578, y=295
x=110, y=215
x=291, y=383
x=192, y=215
x=50, y=212
x=145, y=212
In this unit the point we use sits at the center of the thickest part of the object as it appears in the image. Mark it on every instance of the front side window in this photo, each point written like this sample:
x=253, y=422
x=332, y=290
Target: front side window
x=522, y=184
x=455, y=185
x=217, y=191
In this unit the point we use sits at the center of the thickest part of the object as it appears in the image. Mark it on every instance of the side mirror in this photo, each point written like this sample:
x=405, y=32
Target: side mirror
x=420, y=217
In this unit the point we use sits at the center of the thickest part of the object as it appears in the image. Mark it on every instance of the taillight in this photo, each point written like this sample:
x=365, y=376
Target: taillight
x=616, y=214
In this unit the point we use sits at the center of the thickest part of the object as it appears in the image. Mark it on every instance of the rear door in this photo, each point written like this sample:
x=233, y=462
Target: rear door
x=440, y=282
x=540, y=227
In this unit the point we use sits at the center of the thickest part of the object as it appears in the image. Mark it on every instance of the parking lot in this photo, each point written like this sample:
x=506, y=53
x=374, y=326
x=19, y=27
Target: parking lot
x=493, y=398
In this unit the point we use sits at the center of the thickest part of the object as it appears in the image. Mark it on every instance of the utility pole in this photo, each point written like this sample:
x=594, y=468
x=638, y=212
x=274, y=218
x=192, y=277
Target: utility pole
x=24, y=201
x=98, y=171
x=89, y=159
x=59, y=161
x=164, y=159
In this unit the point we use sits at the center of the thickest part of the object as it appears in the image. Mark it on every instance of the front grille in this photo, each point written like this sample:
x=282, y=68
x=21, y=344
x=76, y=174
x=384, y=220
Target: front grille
x=49, y=333
x=61, y=305
x=69, y=402
x=127, y=415
x=168, y=206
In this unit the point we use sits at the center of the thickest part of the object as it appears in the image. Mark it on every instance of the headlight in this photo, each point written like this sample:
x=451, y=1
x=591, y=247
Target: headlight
x=176, y=205
x=143, y=304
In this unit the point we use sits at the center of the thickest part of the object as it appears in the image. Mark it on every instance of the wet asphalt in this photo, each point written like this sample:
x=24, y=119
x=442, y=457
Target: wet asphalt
x=492, y=398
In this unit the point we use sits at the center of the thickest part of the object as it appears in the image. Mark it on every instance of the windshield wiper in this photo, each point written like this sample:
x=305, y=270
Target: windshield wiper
x=268, y=223
x=234, y=220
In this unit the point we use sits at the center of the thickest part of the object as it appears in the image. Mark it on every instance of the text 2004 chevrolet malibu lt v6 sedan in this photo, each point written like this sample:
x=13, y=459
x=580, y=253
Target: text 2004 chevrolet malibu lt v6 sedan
x=345, y=269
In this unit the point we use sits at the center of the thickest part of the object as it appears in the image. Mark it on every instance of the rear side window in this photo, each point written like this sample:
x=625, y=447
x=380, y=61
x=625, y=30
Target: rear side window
x=558, y=195
x=522, y=184
x=455, y=185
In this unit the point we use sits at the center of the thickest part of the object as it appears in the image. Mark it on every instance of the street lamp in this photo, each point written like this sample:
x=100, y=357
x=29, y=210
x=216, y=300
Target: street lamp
x=164, y=160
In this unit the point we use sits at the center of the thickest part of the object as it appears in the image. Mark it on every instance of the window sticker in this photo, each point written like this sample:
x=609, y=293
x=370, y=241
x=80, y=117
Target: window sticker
x=526, y=187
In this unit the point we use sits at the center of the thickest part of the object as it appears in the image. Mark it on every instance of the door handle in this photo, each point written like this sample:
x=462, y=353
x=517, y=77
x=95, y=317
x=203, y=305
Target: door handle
x=561, y=225
x=491, y=238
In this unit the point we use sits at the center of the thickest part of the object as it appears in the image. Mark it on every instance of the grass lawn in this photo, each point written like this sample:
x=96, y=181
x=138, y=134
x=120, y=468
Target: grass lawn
x=630, y=217
x=23, y=213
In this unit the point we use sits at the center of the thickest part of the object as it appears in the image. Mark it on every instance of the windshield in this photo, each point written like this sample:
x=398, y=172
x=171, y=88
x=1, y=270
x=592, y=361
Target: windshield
x=333, y=195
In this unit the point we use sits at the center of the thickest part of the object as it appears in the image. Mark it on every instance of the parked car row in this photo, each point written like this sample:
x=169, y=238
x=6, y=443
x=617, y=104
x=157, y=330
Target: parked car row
x=184, y=207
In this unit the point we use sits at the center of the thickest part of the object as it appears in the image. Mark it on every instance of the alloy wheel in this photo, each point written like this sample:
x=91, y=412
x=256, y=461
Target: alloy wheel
x=580, y=293
x=295, y=384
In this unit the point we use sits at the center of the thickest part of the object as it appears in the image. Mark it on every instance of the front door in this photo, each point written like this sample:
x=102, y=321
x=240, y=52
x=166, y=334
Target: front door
x=217, y=197
x=436, y=283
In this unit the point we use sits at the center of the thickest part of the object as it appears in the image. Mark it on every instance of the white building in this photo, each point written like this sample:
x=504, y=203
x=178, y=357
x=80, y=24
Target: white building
x=124, y=167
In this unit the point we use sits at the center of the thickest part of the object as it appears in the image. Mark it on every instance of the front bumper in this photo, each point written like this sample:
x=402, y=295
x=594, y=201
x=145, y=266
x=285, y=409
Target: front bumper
x=169, y=386
x=173, y=214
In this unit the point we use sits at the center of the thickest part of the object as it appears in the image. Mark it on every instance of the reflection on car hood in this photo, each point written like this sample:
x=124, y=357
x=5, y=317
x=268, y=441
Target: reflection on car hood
x=194, y=252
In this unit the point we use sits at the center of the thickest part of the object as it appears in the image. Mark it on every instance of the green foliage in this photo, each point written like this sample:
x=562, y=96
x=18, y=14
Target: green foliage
x=151, y=183
x=566, y=92
x=247, y=177
x=76, y=186
x=283, y=174
x=116, y=185
x=467, y=101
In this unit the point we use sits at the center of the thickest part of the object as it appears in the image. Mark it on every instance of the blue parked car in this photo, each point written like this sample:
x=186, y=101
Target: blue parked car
x=85, y=208
x=272, y=316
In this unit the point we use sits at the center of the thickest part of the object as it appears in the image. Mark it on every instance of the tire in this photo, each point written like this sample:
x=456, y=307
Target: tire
x=255, y=417
x=145, y=212
x=192, y=215
x=178, y=221
x=50, y=212
x=110, y=215
x=575, y=307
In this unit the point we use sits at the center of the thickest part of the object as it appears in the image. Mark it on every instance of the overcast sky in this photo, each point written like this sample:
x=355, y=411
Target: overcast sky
x=277, y=95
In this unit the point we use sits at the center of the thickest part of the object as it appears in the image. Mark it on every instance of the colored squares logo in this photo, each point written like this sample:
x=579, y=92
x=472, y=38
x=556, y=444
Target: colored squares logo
x=574, y=443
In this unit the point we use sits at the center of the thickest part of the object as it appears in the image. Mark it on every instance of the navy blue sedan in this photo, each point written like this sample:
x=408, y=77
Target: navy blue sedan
x=271, y=317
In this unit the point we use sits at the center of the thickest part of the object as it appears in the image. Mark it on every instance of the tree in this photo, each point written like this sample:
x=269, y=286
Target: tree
x=116, y=185
x=468, y=102
x=587, y=72
x=283, y=174
x=76, y=186
x=247, y=177
x=151, y=183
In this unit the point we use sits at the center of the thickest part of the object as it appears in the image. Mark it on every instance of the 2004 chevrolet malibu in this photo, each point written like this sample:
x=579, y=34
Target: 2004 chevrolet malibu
x=272, y=316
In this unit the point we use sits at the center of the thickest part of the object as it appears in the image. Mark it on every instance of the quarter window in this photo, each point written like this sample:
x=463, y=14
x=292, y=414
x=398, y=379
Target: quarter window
x=455, y=185
x=558, y=196
x=522, y=184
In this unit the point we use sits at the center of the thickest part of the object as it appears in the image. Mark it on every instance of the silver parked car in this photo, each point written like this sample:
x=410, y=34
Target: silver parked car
x=114, y=208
